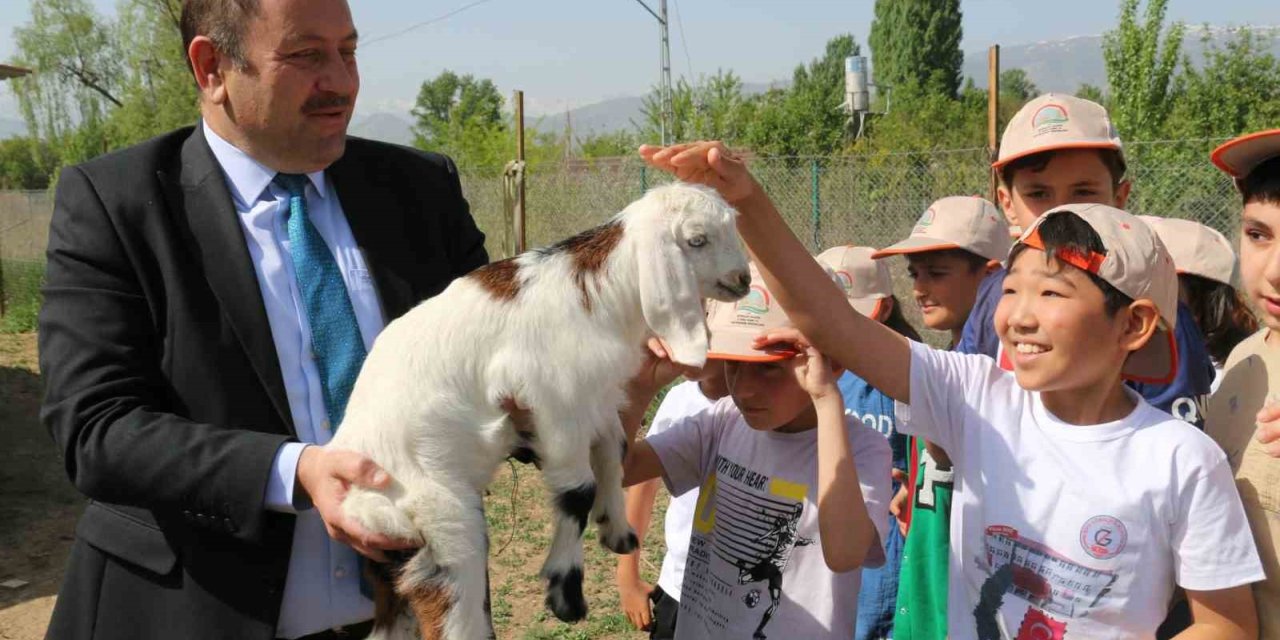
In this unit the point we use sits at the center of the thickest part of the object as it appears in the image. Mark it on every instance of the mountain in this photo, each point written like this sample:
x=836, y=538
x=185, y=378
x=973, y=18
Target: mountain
x=384, y=126
x=617, y=114
x=12, y=128
x=1063, y=65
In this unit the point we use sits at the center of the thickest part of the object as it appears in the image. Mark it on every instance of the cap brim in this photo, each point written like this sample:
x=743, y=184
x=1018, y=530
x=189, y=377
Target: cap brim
x=1155, y=363
x=869, y=307
x=1238, y=157
x=730, y=344
x=914, y=244
x=1058, y=147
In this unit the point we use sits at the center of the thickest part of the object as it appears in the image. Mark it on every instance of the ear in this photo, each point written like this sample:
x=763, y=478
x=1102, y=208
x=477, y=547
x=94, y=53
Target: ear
x=1122, y=194
x=885, y=310
x=1005, y=198
x=1140, y=325
x=670, y=298
x=205, y=65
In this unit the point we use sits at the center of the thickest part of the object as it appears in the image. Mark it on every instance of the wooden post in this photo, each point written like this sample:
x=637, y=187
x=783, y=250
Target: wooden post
x=993, y=116
x=519, y=208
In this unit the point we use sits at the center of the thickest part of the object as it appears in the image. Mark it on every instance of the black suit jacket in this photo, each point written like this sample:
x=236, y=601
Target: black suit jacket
x=163, y=388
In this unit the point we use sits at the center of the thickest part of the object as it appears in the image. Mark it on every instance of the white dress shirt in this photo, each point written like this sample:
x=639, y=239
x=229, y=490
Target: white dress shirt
x=322, y=590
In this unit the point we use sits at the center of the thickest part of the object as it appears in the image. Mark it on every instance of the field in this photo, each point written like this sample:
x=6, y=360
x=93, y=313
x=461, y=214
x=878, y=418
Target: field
x=39, y=508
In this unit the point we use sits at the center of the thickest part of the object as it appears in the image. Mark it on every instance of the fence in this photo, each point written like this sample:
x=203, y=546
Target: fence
x=867, y=199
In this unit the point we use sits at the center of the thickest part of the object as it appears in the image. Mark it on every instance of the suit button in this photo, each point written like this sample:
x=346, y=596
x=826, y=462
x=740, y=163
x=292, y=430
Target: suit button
x=231, y=526
x=186, y=515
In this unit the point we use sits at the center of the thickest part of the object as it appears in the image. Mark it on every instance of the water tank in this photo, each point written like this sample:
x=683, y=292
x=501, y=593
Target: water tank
x=856, y=94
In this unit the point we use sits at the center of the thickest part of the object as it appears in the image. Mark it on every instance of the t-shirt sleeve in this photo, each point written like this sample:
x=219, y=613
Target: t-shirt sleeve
x=1212, y=545
x=678, y=403
x=873, y=460
x=979, y=333
x=1183, y=397
x=943, y=384
x=687, y=447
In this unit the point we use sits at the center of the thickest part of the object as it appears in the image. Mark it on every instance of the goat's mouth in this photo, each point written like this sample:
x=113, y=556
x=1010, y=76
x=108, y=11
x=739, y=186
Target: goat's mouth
x=730, y=292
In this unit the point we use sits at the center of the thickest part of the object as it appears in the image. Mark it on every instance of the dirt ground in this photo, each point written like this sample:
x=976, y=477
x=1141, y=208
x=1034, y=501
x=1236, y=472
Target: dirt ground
x=39, y=508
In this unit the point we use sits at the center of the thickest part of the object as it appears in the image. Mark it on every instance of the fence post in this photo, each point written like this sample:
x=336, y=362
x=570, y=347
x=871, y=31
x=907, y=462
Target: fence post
x=644, y=178
x=815, y=202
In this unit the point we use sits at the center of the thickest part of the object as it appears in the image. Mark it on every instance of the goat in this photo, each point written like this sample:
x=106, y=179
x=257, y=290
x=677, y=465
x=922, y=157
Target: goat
x=559, y=330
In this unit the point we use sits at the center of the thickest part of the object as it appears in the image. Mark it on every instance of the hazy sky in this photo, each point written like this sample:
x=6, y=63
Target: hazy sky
x=566, y=53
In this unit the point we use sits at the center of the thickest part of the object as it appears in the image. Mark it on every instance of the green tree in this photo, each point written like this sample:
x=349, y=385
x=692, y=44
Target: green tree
x=608, y=145
x=715, y=109
x=1091, y=92
x=917, y=42
x=1016, y=84
x=1141, y=58
x=1237, y=89
x=158, y=92
x=805, y=118
x=452, y=107
x=26, y=163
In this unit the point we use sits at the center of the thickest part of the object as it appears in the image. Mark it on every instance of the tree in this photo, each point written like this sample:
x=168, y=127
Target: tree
x=26, y=163
x=1090, y=92
x=1016, y=84
x=449, y=105
x=607, y=145
x=1236, y=90
x=805, y=119
x=917, y=42
x=714, y=109
x=1141, y=59
x=158, y=92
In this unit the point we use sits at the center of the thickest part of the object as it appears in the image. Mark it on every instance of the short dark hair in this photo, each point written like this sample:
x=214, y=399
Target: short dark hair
x=971, y=259
x=1263, y=183
x=1068, y=231
x=898, y=322
x=1036, y=162
x=222, y=21
x=1221, y=314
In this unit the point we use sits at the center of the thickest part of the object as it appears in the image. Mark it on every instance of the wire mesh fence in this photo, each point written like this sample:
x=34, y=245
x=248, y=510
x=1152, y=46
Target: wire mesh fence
x=870, y=200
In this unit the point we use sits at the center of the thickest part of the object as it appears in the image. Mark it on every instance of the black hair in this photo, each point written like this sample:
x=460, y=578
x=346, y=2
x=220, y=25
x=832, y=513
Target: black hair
x=1263, y=183
x=223, y=21
x=971, y=259
x=1068, y=231
x=1036, y=163
x=1220, y=312
x=898, y=322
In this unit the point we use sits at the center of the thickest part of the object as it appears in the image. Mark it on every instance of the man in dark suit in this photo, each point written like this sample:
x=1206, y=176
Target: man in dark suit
x=210, y=296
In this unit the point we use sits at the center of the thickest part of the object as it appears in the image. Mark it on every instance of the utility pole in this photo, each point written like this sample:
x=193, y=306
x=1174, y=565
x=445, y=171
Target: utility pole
x=667, y=123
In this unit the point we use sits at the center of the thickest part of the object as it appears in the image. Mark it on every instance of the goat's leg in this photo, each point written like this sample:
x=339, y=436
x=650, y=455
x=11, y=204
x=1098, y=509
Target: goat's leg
x=609, y=510
x=566, y=468
x=445, y=583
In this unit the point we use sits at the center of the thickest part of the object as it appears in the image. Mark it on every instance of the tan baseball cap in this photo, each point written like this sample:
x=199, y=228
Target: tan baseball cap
x=735, y=326
x=1239, y=156
x=1196, y=249
x=866, y=282
x=1138, y=265
x=957, y=222
x=1057, y=121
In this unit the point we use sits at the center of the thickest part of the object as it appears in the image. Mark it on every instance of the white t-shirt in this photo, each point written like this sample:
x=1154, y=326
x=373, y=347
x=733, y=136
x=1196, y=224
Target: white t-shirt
x=754, y=542
x=682, y=401
x=1072, y=531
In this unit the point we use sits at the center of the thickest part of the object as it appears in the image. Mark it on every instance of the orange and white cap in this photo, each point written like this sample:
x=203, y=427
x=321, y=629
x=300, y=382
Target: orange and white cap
x=1138, y=265
x=1056, y=121
x=1196, y=249
x=1238, y=157
x=735, y=326
x=957, y=222
x=866, y=282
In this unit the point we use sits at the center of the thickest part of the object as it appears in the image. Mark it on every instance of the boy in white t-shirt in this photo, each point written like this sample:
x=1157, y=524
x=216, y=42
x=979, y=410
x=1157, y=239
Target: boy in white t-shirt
x=793, y=494
x=1080, y=507
x=646, y=607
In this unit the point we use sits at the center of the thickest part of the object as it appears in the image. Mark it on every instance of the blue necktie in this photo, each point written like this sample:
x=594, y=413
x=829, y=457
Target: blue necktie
x=336, y=343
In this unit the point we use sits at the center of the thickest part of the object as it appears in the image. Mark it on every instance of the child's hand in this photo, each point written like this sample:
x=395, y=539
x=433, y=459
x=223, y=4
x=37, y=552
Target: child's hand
x=634, y=597
x=1269, y=428
x=817, y=376
x=657, y=371
x=898, y=505
x=708, y=163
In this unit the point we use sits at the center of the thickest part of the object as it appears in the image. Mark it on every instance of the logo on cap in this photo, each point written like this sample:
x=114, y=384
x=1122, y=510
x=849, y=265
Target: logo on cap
x=843, y=279
x=925, y=220
x=1049, y=119
x=756, y=302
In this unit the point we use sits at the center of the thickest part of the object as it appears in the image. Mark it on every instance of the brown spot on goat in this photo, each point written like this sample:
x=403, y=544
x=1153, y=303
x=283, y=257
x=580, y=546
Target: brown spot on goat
x=500, y=279
x=590, y=249
x=430, y=603
x=387, y=604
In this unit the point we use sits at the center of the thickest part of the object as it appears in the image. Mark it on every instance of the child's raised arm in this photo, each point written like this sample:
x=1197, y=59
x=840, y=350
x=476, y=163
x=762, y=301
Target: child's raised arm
x=814, y=304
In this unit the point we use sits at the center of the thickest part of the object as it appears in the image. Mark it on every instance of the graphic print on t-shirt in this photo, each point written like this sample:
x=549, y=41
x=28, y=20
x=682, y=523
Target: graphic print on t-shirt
x=1053, y=584
x=752, y=520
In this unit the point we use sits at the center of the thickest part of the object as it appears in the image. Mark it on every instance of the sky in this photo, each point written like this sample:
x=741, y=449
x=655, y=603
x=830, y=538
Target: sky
x=569, y=53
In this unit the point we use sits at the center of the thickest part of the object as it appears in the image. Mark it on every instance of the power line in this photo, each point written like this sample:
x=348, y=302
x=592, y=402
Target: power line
x=424, y=23
x=684, y=42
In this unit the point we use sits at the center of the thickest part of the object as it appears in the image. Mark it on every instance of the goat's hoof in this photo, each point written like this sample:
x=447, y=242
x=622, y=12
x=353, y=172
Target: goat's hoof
x=564, y=596
x=621, y=545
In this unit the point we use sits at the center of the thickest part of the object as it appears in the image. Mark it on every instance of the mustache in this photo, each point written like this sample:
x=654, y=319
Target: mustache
x=325, y=102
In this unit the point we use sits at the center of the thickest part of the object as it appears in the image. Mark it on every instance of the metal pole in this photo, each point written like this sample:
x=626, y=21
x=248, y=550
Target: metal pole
x=668, y=115
x=816, y=202
x=993, y=116
x=519, y=208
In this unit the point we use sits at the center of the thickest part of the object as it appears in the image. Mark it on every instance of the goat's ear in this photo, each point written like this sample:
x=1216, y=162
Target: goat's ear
x=670, y=298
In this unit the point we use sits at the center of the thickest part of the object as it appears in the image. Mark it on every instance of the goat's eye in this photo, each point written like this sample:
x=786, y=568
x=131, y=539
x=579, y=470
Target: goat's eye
x=698, y=241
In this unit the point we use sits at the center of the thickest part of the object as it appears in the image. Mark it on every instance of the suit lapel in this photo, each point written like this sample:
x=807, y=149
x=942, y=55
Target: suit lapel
x=377, y=223
x=201, y=192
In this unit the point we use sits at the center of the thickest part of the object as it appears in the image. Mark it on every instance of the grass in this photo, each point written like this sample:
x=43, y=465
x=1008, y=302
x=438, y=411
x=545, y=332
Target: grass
x=21, y=290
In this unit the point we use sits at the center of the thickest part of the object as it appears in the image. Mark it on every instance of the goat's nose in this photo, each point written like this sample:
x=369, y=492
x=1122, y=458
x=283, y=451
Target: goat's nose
x=744, y=279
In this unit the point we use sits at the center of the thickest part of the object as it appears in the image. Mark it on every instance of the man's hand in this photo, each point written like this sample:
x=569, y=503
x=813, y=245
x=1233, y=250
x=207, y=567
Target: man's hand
x=1269, y=428
x=326, y=475
x=708, y=163
x=898, y=505
x=634, y=595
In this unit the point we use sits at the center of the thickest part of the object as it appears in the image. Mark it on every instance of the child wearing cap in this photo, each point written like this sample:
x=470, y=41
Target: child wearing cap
x=953, y=254
x=647, y=607
x=868, y=286
x=1207, y=272
x=1079, y=507
x=1243, y=415
x=793, y=494
x=1059, y=149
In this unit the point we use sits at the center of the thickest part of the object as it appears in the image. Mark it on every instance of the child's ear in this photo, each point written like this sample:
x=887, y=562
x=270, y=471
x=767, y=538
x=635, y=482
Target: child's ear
x=1005, y=198
x=884, y=310
x=1122, y=193
x=992, y=265
x=1142, y=320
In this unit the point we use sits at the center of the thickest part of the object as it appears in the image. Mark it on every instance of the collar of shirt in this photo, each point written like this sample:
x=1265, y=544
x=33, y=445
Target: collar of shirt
x=247, y=177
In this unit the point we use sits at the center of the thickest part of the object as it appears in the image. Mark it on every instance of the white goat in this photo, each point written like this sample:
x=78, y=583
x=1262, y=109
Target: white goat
x=559, y=330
